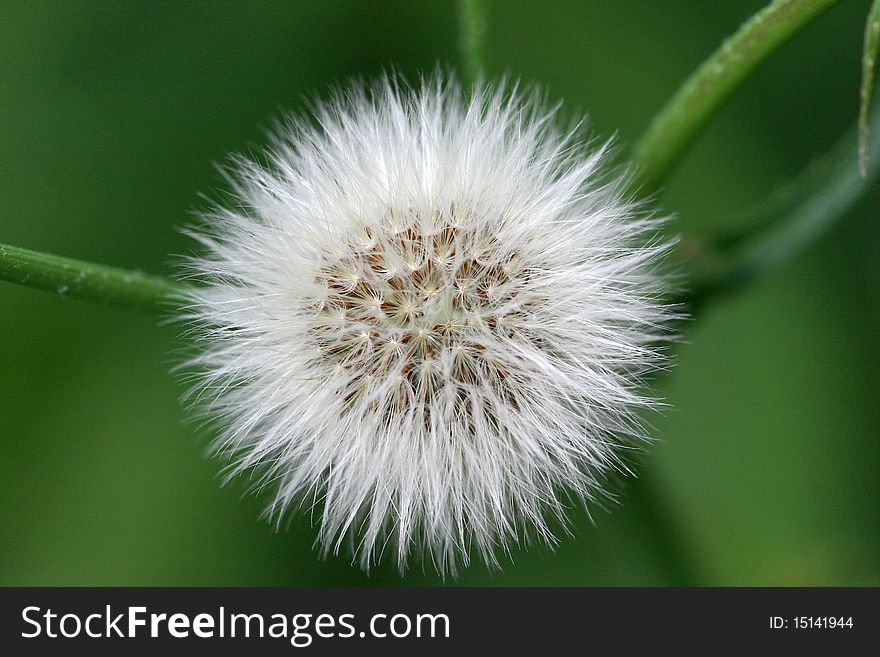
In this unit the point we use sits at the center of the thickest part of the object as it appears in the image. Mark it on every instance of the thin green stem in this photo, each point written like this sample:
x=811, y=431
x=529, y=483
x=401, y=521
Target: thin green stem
x=85, y=280
x=818, y=199
x=472, y=38
x=869, y=61
x=674, y=130
x=828, y=190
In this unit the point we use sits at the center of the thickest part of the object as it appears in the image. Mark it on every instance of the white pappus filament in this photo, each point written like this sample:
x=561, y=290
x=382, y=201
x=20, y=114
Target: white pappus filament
x=426, y=318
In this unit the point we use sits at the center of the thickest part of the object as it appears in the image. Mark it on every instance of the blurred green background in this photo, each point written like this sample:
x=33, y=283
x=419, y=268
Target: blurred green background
x=111, y=115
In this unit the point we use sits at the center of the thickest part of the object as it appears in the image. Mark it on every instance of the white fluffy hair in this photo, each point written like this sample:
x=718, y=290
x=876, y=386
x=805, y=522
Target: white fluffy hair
x=426, y=317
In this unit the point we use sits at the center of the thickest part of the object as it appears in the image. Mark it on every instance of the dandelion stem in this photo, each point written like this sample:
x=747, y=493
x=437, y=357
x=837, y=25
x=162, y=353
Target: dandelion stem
x=674, y=130
x=85, y=280
x=869, y=61
x=472, y=25
x=825, y=192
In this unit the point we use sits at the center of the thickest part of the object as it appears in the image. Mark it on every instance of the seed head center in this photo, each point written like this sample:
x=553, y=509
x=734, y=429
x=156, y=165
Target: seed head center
x=415, y=306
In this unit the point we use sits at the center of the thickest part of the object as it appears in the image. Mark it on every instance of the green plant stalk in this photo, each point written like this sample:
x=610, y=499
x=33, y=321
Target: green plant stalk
x=820, y=197
x=472, y=38
x=674, y=130
x=869, y=61
x=85, y=280
x=824, y=200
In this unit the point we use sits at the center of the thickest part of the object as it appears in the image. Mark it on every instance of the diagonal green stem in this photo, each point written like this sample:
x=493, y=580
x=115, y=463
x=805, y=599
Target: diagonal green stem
x=472, y=37
x=869, y=62
x=827, y=191
x=85, y=280
x=674, y=130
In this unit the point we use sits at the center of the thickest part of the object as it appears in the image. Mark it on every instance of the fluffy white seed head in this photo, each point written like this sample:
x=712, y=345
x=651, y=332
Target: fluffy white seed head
x=425, y=319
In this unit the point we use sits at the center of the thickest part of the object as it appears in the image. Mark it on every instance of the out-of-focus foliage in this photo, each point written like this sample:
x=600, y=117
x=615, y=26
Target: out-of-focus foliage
x=110, y=117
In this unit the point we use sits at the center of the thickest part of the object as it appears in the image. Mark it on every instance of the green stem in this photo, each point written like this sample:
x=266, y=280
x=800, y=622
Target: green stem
x=869, y=61
x=472, y=29
x=674, y=130
x=85, y=280
x=828, y=190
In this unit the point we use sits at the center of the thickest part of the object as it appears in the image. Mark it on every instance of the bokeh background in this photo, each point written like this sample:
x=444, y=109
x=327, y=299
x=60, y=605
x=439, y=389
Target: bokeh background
x=111, y=115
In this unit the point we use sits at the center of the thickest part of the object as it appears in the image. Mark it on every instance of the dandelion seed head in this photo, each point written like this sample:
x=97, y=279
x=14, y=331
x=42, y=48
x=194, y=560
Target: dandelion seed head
x=425, y=319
